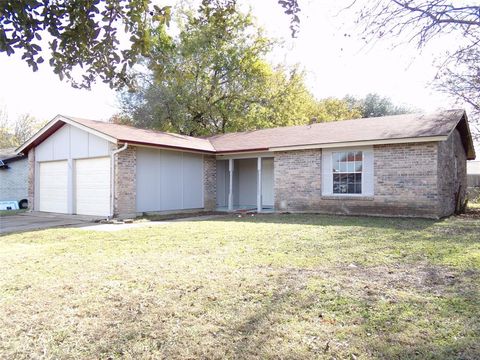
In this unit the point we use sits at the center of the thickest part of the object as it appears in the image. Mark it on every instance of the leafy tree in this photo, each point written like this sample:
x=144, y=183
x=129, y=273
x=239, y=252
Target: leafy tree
x=83, y=36
x=333, y=109
x=375, y=105
x=205, y=80
x=7, y=139
x=16, y=133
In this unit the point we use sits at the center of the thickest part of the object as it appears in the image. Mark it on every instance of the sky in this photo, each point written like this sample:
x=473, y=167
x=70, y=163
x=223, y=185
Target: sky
x=335, y=65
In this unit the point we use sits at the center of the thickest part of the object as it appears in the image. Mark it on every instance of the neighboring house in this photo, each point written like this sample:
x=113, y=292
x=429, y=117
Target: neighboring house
x=13, y=176
x=405, y=165
x=473, y=173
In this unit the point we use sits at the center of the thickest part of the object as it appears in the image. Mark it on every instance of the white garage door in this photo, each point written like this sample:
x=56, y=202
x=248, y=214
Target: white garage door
x=92, y=186
x=53, y=186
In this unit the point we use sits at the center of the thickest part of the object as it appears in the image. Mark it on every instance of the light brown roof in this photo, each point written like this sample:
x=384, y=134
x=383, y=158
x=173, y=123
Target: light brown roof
x=410, y=127
x=124, y=133
x=379, y=128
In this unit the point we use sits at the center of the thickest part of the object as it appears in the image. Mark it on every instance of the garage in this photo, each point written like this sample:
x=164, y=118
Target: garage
x=92, y=186
x=53, y=186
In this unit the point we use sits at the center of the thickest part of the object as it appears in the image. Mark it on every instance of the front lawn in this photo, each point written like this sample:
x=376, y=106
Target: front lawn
x=272, y=286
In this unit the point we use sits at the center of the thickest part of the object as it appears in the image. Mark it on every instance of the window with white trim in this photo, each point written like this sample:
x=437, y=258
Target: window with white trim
x=347, y=172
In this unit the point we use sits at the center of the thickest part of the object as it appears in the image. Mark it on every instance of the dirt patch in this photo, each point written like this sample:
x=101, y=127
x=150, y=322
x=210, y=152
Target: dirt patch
x=472, y=213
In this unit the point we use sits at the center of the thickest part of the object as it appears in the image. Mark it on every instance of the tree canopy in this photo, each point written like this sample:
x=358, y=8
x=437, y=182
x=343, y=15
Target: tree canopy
x=14, y=133
x=213, y=77
x=83, y=36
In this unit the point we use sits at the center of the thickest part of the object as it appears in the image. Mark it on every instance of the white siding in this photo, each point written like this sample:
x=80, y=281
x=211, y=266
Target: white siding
x=168, y=180
x=69, y=142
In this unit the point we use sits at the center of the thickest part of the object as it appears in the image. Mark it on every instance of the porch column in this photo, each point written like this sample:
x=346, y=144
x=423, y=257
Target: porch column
x=259, y=184
x=230, y=189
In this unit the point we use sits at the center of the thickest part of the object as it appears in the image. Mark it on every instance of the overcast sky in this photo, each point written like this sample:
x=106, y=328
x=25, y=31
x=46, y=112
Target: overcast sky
x=335, y=65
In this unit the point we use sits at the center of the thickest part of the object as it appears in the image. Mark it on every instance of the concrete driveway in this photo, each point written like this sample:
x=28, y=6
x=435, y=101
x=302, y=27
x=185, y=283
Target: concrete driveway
x=30, y=221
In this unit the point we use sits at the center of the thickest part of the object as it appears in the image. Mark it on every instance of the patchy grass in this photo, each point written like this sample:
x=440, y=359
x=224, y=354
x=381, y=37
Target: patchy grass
x=272, y=286
x=11, y=212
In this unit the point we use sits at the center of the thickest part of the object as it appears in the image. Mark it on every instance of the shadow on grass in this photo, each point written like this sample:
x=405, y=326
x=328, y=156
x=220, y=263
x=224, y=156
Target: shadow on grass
x=438, y=320
x=336, y=220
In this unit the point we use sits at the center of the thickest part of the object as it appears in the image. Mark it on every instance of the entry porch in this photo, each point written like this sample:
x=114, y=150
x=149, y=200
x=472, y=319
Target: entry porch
x=245, y=183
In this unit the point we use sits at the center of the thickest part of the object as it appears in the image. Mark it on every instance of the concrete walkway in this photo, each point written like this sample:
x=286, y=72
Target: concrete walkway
x=146, y=224
x=30, y=221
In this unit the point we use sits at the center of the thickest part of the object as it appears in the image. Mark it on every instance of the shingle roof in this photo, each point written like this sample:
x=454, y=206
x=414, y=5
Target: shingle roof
x=421, y=127
x=124, y=133
x=379, y=128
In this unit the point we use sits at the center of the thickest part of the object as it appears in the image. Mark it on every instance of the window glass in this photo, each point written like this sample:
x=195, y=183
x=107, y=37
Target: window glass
x=347, y=172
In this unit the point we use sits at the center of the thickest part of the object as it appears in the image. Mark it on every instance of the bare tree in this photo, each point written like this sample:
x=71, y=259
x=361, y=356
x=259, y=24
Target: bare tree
x=15, y=133
x=6, y=136
x=421, y=21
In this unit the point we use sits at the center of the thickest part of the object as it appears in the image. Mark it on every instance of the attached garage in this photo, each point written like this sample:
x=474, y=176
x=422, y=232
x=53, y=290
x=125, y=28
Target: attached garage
x=101, y=169
x=72, y=167
x=53, y=186
x=92, y=186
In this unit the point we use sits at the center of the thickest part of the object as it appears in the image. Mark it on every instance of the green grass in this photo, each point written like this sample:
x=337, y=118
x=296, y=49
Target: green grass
x=11, y=212
x=272, y=286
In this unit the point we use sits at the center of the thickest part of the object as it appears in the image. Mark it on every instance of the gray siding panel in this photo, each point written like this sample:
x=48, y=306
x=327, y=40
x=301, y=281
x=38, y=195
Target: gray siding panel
x=168, y=180
x=14, y=181
x=148, y=180
x=247, y=182
x=192, y=186
x=223, y=183
x=171, y=180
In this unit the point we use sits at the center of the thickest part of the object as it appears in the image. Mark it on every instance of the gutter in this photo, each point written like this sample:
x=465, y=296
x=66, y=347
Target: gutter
x=112, y=177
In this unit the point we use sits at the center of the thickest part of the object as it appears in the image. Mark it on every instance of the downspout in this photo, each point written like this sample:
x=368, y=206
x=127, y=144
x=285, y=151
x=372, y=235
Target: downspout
x=112, y=177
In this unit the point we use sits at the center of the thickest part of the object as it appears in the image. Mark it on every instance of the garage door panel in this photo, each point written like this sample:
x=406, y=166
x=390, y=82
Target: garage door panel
x=53, y=186
x=92, y=186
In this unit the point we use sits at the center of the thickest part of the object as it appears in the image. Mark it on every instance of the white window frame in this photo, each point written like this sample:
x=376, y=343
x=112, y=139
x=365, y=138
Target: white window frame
x=367, y=171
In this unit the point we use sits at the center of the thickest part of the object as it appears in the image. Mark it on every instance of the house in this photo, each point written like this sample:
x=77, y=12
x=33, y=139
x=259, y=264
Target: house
x=404, y=165
x=13, y=176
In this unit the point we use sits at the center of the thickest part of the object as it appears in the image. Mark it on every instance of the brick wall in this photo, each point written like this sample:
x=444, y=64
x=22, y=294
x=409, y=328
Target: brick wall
x=31, y=179
x=297, y=180
x=452, y=184
x=125, y=183
x=405, y=183
x=210, y=182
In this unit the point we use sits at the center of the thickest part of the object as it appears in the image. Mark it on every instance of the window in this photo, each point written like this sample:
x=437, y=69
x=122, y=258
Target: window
x=347, y=172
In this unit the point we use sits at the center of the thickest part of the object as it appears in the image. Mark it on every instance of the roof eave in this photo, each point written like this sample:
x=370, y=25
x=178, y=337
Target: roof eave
x=360, y=143
x=161, y=146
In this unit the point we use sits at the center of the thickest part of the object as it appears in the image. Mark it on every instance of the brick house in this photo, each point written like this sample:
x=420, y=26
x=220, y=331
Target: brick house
x=404, y=165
